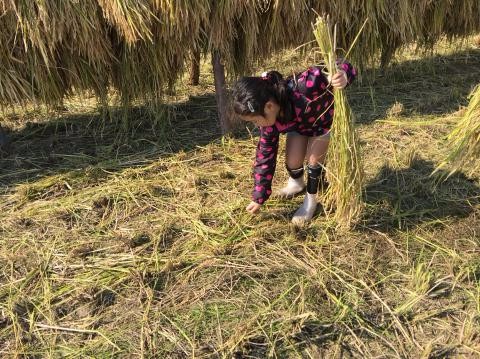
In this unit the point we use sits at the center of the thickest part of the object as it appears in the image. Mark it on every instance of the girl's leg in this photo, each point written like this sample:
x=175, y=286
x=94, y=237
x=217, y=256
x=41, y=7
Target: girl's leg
x=296, y=150
x=317, y=149
x=316, y=152
x=295, y=155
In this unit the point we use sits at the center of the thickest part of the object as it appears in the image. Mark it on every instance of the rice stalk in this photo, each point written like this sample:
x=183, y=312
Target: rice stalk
x=464, y=140
x=345, y=173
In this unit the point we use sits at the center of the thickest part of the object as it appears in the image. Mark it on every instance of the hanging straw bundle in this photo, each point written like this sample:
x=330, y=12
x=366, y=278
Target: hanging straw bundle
x=51, y=49
x=464, y=140
x=345, y=173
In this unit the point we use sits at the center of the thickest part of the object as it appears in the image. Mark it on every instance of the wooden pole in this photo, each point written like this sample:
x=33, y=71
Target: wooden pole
x=195, y=68
x=3, y=138
x=220, y=91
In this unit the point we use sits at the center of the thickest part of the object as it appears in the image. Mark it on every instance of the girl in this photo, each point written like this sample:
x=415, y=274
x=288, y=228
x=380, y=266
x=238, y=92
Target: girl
x=302, y=107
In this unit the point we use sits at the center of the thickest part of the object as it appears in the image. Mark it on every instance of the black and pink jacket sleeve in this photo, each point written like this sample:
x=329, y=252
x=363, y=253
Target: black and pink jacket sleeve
x=349, y=70
x=313, y=82
x=265, y=163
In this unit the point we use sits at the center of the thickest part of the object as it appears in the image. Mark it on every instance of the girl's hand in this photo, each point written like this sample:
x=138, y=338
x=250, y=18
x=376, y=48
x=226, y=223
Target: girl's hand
x=339, y=80
x=253, y=207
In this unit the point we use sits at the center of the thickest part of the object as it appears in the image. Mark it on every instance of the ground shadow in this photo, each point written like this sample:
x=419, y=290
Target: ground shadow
x=325, y=338
x=404, y=198
x=433, y=85
x=428, y=86
x=78, y=141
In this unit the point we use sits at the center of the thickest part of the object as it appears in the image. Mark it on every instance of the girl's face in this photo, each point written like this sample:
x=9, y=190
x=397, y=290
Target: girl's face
x=271, y=111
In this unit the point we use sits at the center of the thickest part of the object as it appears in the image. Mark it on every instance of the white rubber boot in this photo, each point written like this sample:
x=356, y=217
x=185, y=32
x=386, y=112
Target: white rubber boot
x=306, y=210
x=294, y=186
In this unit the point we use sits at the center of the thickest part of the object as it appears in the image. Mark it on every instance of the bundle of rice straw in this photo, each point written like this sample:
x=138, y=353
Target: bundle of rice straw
x=464, y=140
x=344, y=172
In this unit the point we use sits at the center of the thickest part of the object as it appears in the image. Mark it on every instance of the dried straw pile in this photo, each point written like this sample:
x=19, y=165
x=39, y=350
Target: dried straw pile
x=50, y=48
x=464, y=140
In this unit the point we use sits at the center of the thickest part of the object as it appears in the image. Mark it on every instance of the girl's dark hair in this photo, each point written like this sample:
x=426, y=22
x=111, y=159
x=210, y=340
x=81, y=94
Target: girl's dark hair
x=250, y=94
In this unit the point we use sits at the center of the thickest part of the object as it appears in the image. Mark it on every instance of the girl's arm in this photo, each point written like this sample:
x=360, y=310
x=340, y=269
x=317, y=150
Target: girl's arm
x=265, y=163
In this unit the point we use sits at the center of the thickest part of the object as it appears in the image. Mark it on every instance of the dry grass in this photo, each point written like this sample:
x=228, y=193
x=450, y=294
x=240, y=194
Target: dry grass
x=464, y=140
x=143, y=248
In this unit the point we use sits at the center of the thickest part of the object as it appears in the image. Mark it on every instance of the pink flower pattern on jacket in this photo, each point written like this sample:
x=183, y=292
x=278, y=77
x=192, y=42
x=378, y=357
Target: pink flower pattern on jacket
x=312, y=109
